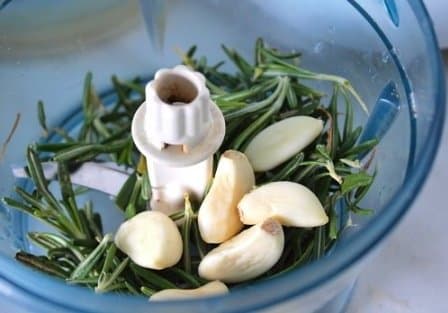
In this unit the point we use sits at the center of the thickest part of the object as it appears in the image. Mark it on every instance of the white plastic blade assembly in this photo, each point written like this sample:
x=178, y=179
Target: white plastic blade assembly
x=178, y=129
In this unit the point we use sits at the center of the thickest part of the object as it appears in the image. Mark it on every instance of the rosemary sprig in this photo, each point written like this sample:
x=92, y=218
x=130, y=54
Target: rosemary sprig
x=84, y=268
x=106, y=281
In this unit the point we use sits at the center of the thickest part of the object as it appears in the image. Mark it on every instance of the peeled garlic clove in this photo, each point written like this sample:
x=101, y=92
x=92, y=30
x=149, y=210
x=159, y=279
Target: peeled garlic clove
x=151, y=239
x=213, y=288
x=282, y=140
x=218, y=217
x=247, y=255
x=290, y=203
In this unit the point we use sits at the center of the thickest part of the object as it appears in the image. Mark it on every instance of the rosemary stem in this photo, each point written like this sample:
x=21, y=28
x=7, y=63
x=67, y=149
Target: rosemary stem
x=186, y=230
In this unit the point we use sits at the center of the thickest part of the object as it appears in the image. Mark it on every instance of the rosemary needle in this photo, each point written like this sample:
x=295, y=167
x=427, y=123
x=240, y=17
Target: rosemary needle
x=4, y=145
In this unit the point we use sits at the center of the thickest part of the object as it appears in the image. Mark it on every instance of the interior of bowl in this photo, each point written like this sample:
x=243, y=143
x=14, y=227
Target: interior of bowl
x=372, y=44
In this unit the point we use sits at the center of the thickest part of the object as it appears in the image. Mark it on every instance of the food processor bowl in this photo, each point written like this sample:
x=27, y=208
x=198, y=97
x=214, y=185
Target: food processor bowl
x=47, y=47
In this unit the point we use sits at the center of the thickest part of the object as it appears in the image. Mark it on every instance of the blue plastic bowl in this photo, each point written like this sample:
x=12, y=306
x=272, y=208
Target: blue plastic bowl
x=46, y=47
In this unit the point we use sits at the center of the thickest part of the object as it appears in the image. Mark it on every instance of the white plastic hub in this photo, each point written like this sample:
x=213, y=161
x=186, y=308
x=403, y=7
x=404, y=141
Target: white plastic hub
x=178, y=129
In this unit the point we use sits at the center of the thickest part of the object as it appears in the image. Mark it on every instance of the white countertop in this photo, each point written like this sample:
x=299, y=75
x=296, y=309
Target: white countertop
x=438, y=9
x=409, y=274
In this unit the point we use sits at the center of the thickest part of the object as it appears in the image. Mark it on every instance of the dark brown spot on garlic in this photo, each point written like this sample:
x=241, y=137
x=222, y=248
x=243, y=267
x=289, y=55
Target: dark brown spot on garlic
x=271, y=226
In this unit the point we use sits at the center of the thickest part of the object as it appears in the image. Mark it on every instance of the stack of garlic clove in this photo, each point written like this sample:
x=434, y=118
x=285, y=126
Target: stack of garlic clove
x=151, y=239
x=247, y=255
x=213, y=288
x=291, y=204
x=218, y=217
x=282, y=140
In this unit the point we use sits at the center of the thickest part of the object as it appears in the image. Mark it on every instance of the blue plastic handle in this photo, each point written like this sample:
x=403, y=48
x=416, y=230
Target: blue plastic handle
x=383, y=115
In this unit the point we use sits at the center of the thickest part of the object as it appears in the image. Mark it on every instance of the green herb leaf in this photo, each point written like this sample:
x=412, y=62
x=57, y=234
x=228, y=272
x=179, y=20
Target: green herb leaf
x=91, y=260
x=41, y=117
x=150, y=276
x=41, y=263
x=124, y=195
x=361, y=211
x=105, y=282
x=353, y=181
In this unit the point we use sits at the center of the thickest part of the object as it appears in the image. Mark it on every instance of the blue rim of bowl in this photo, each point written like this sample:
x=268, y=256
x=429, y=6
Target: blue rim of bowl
x=23, y=281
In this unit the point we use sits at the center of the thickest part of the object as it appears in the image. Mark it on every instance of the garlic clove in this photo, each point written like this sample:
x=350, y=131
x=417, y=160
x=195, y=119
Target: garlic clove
x=213, y=288
x=282, y=140
x=292, y=204
x=151, y=239
x=247, y=255
x=218, y=217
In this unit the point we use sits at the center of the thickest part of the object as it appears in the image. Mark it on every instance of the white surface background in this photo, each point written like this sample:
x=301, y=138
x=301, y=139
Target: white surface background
x=438, y=10
x=410, y=272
